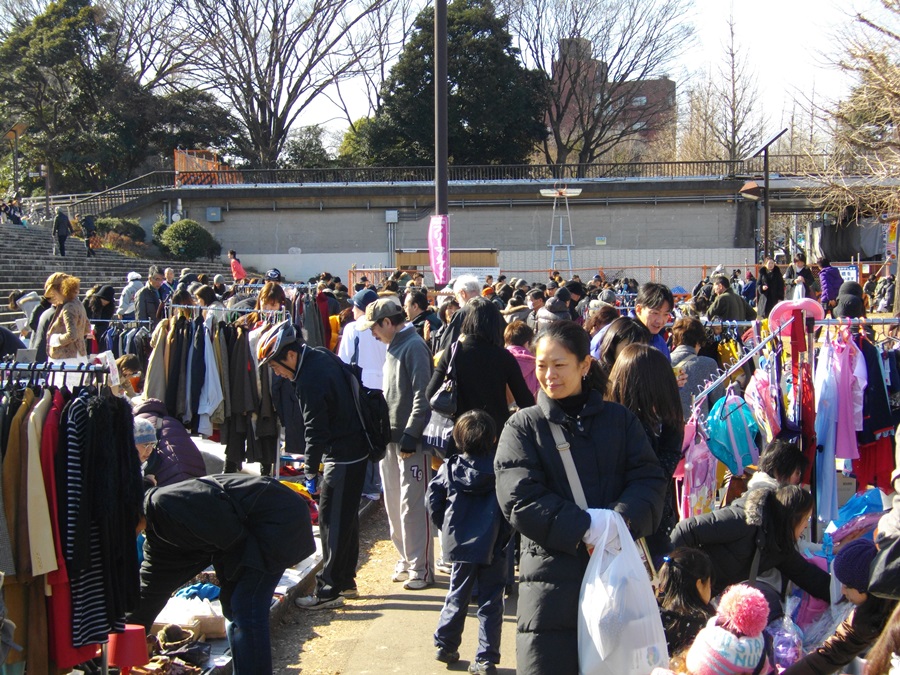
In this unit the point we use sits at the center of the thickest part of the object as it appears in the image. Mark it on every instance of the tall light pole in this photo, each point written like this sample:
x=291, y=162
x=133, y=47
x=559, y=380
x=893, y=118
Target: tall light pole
x=440, y=108
x=748, y=192
x=12, y=136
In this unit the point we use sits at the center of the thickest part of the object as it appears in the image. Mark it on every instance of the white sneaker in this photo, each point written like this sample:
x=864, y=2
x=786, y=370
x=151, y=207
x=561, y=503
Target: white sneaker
x=399, y=575
x=416, y=584
x=444, y=568
x=314, y=602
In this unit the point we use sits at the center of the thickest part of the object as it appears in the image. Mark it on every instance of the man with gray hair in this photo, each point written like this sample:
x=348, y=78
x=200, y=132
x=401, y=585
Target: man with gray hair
x=147, y=300
x=465, y=288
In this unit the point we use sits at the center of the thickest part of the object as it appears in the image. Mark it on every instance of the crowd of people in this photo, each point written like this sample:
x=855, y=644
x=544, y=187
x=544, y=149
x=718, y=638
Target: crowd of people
x=594, y=373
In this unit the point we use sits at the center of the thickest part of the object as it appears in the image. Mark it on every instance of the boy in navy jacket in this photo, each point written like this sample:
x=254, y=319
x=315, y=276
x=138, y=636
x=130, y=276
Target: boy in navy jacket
x=464, y=504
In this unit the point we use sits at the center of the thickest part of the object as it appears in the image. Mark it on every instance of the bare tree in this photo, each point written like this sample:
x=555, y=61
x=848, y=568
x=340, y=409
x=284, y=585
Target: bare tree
x=376, y=45
x=738, y=123
x=597, y=55
x=697, y=138
x=152, y=39
x=864, y=162
x=269, y=59
x=19, y=13
x=722, y=118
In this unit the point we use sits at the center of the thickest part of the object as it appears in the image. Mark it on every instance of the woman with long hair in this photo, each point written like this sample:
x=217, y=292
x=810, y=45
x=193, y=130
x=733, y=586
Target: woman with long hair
x=769, y=288
x=685, y=589
x=483, y=369
x=764, y=522
x=617, y=469
x=66, y=333
x=642, y=380
x=619, y=334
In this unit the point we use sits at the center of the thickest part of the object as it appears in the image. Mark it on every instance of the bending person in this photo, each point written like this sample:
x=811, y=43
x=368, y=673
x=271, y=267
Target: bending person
x=250, y=528
x=764, y=522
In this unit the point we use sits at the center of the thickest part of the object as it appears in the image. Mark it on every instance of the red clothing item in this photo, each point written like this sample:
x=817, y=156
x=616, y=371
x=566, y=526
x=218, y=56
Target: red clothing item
x=322, y=303
x=875, y=463
x=237, y=270
x=59, y=604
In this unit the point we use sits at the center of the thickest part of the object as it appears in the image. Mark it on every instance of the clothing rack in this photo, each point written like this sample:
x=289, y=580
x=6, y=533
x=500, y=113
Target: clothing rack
x=737, y=365
x=53, y=367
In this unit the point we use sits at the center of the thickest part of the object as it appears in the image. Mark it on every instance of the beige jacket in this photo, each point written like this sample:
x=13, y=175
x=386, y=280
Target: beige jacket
x=72, y=325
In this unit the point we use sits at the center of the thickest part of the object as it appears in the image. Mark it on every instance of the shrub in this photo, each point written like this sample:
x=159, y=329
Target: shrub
x=159, y=227
x=127, y=227
x=189, y=240
x=124, y=244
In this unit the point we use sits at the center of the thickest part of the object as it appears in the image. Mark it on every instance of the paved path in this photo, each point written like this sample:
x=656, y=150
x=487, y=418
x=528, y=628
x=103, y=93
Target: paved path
x=387, y=630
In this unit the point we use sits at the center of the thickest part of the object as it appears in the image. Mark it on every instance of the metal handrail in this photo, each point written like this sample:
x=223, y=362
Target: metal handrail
x=159, y=180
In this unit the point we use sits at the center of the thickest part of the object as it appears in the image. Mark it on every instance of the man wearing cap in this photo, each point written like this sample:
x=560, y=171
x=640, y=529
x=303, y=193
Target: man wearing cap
x=274, y=274
x=219, y=286
x=187, y=278
x=406, y=468
x=359, y=347
x=334, y=437
x=865, y=623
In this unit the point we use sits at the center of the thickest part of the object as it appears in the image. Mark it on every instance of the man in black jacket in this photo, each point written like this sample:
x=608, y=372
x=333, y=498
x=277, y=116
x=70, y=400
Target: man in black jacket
x=62, y=228
x=250, y=528
x=334, y=436
x=147, y=300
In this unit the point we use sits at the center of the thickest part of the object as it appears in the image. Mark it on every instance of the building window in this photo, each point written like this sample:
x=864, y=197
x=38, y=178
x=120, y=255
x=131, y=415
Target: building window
x=639, y=101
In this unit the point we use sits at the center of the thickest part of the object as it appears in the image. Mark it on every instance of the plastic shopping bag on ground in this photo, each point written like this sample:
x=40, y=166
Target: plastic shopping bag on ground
x=619, y=628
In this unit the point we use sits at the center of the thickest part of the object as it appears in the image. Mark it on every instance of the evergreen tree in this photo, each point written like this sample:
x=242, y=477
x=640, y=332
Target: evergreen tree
x=496, y=107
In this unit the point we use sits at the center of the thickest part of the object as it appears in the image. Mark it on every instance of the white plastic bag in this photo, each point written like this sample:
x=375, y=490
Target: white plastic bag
x=619, y=628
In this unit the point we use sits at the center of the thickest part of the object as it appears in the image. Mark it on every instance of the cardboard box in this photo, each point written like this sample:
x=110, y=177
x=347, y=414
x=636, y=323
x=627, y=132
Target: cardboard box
x=846, y=488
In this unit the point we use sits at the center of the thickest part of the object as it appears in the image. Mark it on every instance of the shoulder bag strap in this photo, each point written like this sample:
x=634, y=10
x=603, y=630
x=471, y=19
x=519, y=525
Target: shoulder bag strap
x=565, y=453
x=354, y=360
x=449, y=375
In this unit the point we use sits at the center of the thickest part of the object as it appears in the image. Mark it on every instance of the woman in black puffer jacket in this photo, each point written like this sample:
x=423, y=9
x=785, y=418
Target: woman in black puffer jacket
x=618, y=470
x=766, y=520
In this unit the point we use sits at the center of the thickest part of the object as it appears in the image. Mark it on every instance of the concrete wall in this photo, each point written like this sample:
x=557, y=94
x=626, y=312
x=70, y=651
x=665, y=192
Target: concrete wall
x=303, y=235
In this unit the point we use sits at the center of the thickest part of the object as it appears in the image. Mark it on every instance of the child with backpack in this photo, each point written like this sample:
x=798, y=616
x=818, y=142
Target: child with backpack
x=464, y=505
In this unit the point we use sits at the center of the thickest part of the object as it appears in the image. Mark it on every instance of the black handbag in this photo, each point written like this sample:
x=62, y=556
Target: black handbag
x=884, y=573
x=445, y=399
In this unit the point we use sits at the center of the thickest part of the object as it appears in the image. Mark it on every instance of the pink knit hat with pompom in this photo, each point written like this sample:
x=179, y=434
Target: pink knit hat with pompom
x=732, y=641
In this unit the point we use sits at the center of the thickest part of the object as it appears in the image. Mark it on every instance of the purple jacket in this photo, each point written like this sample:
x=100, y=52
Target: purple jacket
x=830, y=280
x=525, y=359
x=176, y=458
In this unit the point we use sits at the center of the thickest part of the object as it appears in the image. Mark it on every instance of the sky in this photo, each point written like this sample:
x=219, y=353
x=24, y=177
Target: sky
x=790, y=43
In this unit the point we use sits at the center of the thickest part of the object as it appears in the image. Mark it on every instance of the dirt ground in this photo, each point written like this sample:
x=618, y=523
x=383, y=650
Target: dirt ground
x=388, y=629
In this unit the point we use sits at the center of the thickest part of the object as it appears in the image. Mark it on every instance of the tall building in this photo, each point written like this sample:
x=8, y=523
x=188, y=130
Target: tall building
x=582, y=90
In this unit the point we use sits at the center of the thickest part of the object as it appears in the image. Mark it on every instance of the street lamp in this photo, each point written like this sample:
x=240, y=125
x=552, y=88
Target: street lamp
x=12, y=136
x=755, y=192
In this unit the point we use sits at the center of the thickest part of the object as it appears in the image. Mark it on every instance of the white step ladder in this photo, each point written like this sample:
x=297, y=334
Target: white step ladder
x=561, y=243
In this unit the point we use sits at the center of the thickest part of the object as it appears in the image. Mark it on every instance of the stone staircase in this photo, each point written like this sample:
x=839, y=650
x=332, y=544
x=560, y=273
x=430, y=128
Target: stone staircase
x=26, y=260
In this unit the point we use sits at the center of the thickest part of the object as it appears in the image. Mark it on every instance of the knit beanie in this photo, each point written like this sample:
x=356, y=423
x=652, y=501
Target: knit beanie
x=144, y=431
x=852, y=562
x=575, y=288
x=732, y=641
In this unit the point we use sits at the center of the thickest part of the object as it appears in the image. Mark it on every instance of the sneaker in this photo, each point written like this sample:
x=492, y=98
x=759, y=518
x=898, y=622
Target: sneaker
x=446, y=656
x=416, y=584
x=399, y=575
x=482, y=668
x=350, y=593
x=315, y=602
x=444, y=568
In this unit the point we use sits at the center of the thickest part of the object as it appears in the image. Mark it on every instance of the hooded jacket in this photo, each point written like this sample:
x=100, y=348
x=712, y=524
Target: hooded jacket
x=618, y=470
x=464, y=507
x=176, y=457
x=731, y=537
x=830, y=280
